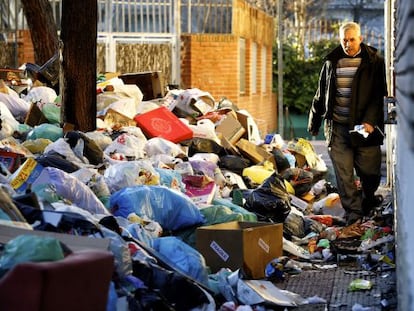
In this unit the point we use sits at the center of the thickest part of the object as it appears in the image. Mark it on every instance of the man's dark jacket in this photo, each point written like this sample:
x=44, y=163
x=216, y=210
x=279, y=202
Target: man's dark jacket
x=368, y=91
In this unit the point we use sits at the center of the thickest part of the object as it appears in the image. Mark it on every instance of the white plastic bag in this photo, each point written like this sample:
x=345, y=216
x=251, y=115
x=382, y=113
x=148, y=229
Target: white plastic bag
x=8, y=123
x=70, y=188
x=159, y=145
x=130, y=173
x=126, y=146
x=41, y=94
x=17, y=106
x=195, y=102
x=124, y=99
x=63, y=148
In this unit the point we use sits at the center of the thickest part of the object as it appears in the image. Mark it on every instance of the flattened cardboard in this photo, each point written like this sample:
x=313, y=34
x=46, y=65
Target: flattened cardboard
x=230, y=128
x=251, y=131
x=255, y=153
x=240, y=245
x=35, y=116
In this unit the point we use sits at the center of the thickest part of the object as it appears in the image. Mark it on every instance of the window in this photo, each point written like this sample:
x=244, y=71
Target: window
x=253, y=68
x=242, y=65
x=264, y=67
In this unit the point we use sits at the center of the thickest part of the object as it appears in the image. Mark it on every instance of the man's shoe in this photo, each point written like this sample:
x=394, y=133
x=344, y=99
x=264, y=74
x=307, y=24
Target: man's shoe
x=352, y=218
x=369, y=205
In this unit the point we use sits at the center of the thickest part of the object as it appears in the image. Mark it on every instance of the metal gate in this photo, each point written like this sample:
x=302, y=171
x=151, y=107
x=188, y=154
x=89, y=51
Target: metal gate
x=139, y=25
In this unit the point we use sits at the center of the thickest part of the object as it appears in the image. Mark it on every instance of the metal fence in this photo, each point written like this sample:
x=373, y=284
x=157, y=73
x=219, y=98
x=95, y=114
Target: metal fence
x=148, y=16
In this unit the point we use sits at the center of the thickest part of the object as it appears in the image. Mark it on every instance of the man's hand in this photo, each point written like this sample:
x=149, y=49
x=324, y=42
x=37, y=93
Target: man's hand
x=314, y=133
x=368, y=127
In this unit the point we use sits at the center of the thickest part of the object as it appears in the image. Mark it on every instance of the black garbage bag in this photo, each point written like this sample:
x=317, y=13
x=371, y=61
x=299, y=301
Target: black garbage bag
x=147, y=299
x=300, y=179
x=282, y=163
x=54, y=159
x=176, y=289
x=270, y=201
x=69, y=222
x=234, y=163
x=92, y=151
x=203, y=145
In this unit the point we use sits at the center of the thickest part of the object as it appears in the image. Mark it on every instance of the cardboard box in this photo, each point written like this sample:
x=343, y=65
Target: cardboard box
x=161, y=122
x=240, y=245
x=251, y=130
x=150, y=83
x=255, y=153
x=230, y=128
x=201, y=196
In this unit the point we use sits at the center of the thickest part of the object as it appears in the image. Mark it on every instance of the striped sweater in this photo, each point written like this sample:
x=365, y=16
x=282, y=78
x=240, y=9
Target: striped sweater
x=345, y=71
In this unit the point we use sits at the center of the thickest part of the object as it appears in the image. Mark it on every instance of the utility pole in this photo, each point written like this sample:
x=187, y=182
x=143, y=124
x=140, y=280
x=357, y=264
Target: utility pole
x=280, y=66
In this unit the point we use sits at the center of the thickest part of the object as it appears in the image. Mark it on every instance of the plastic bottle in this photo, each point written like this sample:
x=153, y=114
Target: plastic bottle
x=329, y=205
x=312, y=245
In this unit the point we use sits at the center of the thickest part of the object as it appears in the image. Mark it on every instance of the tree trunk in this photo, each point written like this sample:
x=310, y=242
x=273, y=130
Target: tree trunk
x=43, y=29
x=79, y=35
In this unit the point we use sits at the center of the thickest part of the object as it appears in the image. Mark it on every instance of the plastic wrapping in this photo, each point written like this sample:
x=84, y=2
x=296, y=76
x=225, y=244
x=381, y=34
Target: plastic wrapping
x=37, y=145
x=41, y=94
x=60, y=146
x=119, y=248
x=234, y=163
x=89, y=148
x=17, y=106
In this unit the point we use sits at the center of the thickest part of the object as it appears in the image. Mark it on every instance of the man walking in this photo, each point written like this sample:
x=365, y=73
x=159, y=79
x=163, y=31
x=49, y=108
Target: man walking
x=349, y=98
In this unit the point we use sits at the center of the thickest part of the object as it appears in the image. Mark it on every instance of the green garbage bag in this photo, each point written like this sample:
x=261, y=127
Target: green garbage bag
x=45, y=130
x=52, y=112
x=26, y=247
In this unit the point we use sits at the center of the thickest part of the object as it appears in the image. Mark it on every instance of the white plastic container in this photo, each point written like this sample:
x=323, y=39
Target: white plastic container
x=329, y=205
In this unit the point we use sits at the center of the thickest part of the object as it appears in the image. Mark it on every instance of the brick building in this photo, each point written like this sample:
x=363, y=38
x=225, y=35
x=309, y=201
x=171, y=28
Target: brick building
x=237, y=66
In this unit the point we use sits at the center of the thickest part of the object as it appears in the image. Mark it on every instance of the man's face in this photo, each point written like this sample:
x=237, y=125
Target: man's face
x=350, y=41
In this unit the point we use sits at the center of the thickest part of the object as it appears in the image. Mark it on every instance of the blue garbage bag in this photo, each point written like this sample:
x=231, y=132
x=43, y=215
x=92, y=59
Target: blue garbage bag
x=172, y=209
x=183, y=257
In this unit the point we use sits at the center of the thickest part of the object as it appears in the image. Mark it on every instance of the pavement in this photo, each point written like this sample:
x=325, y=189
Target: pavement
x=332, y=281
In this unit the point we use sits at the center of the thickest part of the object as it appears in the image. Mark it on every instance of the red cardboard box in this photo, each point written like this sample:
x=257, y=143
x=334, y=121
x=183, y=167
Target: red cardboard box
x=161, y=122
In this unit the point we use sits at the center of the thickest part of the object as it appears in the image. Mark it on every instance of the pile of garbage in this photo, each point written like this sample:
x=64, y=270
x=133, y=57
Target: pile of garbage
x=154, y=172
